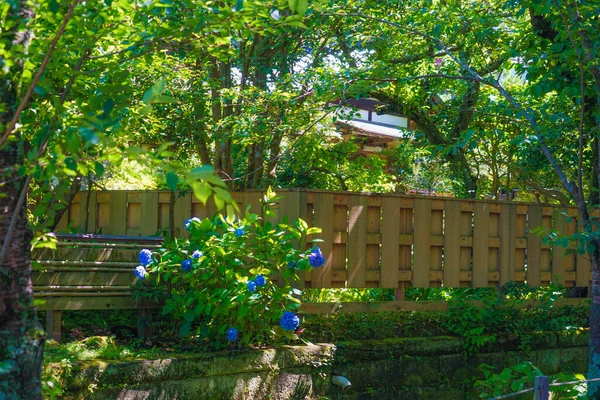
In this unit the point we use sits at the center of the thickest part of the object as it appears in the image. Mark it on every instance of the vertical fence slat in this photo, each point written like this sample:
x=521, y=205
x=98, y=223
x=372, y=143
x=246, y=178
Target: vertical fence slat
x=390, y=242
x=373, y=256
x=149, y=210
x=481, y=244
x=182, y=211
x=118, y=213
x=436, y=249
x=508, y=243
x=91, y=211
x=452, y=244
x=323, y=219
x=357, y=241
x=466, y=250
x=422, y=242
x=534, y=247
x=558, y=252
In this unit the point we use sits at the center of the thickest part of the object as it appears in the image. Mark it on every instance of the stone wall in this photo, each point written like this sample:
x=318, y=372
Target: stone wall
x=401, y=368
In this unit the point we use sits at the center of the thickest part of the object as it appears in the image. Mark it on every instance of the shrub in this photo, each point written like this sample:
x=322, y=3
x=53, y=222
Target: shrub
x=232, y=278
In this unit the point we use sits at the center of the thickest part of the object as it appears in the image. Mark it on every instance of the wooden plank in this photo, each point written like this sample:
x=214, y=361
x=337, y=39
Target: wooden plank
x=437, y=243
x=89, y=303
x=480, y=244
x=583, y=271
x=323, y=218
x=558, y=252
x=83, y=278
x=421, y=244
x=534, y=247
x=340, y=223
x=149, y=210
x=373, y=256
x=390, y=241
x=118, y=213
x=357, y=241
x=181, y=213
x=292, y=206
x=89, y=209
x=452, y=237
x=134, y=217
x=54, y=324
x=508, y=241
x=252, y=199
x=521, y=232
x=466, y=250
x=105, y=239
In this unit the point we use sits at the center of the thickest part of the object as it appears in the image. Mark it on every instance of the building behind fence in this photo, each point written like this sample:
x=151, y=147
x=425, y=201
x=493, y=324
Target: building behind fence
x=388, y=241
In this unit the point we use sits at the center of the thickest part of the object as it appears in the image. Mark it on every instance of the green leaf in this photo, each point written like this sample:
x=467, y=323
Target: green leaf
x=99, y=168
x=202, y=191
x=218, y=202
x=184, y=329
x=53, y=6
x=190, y=315
x=107, y=107
x=71, y=163
x=313, y=230
x=153, y=93
x=301, y=6
x=172, y=180
x=202, y=172
x=223, y=194
x=168, y=308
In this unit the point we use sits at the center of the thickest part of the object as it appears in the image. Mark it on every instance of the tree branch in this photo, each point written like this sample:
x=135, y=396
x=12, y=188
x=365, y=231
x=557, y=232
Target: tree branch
x=38, y=75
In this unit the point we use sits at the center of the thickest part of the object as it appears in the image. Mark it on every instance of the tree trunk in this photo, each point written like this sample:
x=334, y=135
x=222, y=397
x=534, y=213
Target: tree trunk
x=21, y=335
x=594, y=363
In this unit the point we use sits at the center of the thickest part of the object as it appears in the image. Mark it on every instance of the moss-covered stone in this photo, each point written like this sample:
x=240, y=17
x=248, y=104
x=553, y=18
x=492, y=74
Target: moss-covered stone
x=405, y=368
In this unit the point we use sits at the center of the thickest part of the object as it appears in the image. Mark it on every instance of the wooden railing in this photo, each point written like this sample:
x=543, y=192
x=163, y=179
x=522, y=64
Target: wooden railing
x=388, y=241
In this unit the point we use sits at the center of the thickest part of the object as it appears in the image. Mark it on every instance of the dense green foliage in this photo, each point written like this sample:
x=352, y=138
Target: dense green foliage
x=232, y=274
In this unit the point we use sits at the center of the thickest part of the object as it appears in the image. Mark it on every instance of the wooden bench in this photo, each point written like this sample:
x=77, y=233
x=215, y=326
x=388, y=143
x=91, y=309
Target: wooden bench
x=89, y=272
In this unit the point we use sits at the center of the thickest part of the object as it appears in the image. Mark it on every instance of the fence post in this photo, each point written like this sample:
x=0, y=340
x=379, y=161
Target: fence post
x=541, y=388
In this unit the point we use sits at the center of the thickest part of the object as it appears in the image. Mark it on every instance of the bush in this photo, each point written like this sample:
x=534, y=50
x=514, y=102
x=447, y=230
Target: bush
x=231, y=280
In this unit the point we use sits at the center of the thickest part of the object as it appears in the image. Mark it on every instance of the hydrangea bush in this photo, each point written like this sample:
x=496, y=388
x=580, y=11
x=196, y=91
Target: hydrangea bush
x=232, y=279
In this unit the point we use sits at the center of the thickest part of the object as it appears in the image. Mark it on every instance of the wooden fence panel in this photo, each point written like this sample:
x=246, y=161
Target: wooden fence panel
x=466, y=251
x=422, y=242
x=323, y=212
x=390, y=241
x=357, y=241
x=405, y=274
x=481, y=230
x=521, y=228
x=534, y=246
x=508, y=243
x=452, y=241
x=340, y=240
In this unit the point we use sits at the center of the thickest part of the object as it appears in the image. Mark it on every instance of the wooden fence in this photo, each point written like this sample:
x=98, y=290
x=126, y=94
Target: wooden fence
x=388, y=241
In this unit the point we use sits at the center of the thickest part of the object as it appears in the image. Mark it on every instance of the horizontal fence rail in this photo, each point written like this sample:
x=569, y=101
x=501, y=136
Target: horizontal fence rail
x=387, y=241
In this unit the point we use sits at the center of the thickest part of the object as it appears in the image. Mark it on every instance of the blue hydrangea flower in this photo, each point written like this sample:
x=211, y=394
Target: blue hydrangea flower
x=232, y=334
x=239, y=232
x=140, y=272
x=186, y=265
x=260, y=280
x=292, y=265
x=251, y=285
x=289, y=321
x=188, y=222
x=315, y=258
x=145, y=257
x=197, y=254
